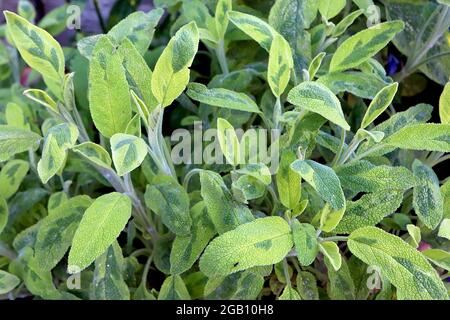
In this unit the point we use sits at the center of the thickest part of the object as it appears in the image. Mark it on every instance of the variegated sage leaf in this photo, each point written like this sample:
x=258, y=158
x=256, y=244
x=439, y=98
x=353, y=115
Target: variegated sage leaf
x=109, y=96
x=100, y=226
x=307, y=286
x=4, y=213
x=364, y=45
x=444, y=105
x=223, y=98
x=444, y=229
x=128, y=152
x=315, y=64
x=94, y=153
x=317, y=98
x=168, y=199
x=173, y=288
x=221, y=16
x=439, y=257
x=280, y=65
x=15, y=140
x=379, y=104
x=108, y=282
x=225, y=212
x=8, y=282
x=424, y=136
x=11, y=176
x=42, y=98
x=289, y=293
x=228, y=141
x=406, y=268
x=341, y=285
x=261, y=242
x=329, y=9
x=427, y=198
x=331, y=252
x=305, y=241
x=346, y=22
x=39, y=50
x=186, y=249
x=171, y=73
x=58, y=140
x=288, y=181
x=56, y=231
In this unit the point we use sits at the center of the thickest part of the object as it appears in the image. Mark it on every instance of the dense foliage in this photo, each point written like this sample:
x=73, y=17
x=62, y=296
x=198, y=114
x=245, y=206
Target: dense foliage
x=354, y=205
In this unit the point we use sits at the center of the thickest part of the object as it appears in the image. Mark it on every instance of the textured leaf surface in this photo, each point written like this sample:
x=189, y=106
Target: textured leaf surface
x=4, y=212
x=379, y=104
x=403, y=265
x=363, y=45
x=167, y=198
x=427, y=198
x=305, y=241
x=228, y=141
x=425, y=136
x=128, y=152
x=340, y=285
x=317, y=98
x=330, y=9
x=11, y=176
x=173, y=288
x=288, y=181
x=307, y=286
x=289, y=293
x=14, y=140
x=439, y=257
x=444, y=229
x=331, y=252
x=280, y=65
x=223, y=98
x=444, y=105
x=8, y=282
x=94, y=153
x=100, y=226
x=261, y=242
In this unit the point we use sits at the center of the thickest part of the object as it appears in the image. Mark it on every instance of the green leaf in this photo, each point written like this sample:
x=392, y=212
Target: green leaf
x=223, y=98
x=289, y=293
x=323, y=179
x=173, y=288
x=248, y=187
x=128, y=152
x=346, y=22
x=14, y=140
x=444, y=105
x=331, y=252
x=138, y=74
x=26, y=9
x=170, y=201
x=15, y=116
x=414, y=233
x=427, y=198
x=39, y=50
x=56, y=200
x=254, y=27
x=221, y=16
x=340, y=283
x=305, y=241
x=56, y=232
x=108, y=282
x=228, y=141
x=225, y=213
x=58, y=140
x=4, y=213
x=444, y=229
x=237, y=286
x=315, y=64
x=439, y=257
x=261, y=242
x=358, y=83
x=404, y=266
x=379, y=104
x=171, y=73
x=258, y=171
x=364, y=45
x=8, y=282
x=424, y=136
x=317, y=98
x=329, y=9
x=42, y=98
x=56, y=20
x=370, y=209
x=280, y=65
x=100, y=226
x=109, y=96
x=307, y=286
x=288, y=181
x=187, y=249
x=11, y=176
x=94, y=153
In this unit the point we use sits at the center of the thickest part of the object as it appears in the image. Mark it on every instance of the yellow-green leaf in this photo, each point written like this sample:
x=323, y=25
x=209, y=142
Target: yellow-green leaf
x=94, y=153
x=11, y=176
x=380, y=103
x=8, y=282
x=331, y=251
x=15, y=140
x=444, y=105
x=280, y=65
x=128, y=152
x=229, y=142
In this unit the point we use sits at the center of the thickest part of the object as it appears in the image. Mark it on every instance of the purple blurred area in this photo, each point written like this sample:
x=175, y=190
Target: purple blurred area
x=89, y=20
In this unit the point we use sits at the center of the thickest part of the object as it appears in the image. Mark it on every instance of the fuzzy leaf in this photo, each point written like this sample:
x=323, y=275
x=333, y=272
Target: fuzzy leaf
x=229, y=142
x=346, y=22
x=288, y=181
x=331, y=252
x=280, y=65
x=444, y=105
x=94, y=153
x=4, y=213
x=379, y=104
x=404, y=266
x=128, y=152
x=305, y=241
x=100, y=226
x=8, y=282
x=340, y=285
x=307, y=286
x=173, y=288
x=329, y=9
x=11, y=176
x=363, y=45
x=425, y=136
x=439, y=257
x=317, y=98
x=14, y=140
x=221, y=16
x=223, y=98
x=261, y=242
x=42, y=98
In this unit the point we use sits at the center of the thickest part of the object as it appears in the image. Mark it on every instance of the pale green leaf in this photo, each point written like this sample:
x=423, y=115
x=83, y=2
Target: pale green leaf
x=261, y=242
x=8, y=282
x=128, y=152
x=315, y=64
x=168, y=199
x=42, y=98
x=109, y=96
x=424, y=136
x=11, y=176
x=94, y=153
x=4, y=213
x=305, y=241
x=288, y=181
x=14, y=140
x=26, y=9
x=444, y=105
x=346, y=22
x=444, y=229
x=414, y=233
x=100, y=226
x=341, y=285
x=379, y=104
x=317, y=98
x=223, y=98
x=171, y=73
x=221, y=16
x=364, y=45
x=289, y=293
x=258, y=171
x=329, y=9
x=173, y=288
x=404, y=266
x=439, y=257
x=280, y=65
x=331, y=252
x=15, y=116
x=228, y=141
x=307, y=286
x=427, y=198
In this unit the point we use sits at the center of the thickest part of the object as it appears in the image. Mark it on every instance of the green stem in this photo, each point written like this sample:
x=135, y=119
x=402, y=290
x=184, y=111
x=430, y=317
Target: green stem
x=335, y=238
x=341, y=148
x=221, y=57
x=286, y=273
